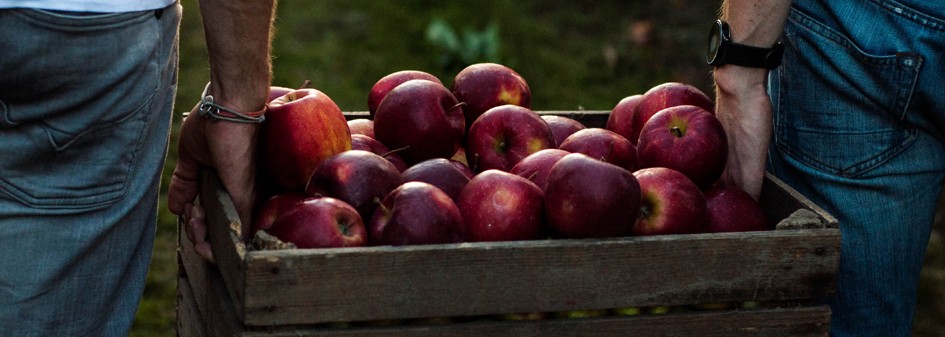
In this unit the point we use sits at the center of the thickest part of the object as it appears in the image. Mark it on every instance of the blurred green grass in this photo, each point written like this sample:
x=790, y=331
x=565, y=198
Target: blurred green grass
x=574, y=55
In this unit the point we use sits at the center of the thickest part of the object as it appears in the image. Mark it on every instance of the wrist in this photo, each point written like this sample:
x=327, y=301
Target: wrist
x=215, y=108
x=738, y=80
x=242, y=97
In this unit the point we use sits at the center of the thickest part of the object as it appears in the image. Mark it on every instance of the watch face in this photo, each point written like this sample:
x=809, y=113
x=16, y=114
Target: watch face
x=715, y=43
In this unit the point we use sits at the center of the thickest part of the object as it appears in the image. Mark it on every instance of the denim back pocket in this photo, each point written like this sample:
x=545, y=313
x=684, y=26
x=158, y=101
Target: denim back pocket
x=841, y=109
x=73, y=98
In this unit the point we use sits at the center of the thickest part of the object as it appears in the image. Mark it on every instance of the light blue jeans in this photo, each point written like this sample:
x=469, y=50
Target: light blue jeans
x=859, y=128
x=85, y=111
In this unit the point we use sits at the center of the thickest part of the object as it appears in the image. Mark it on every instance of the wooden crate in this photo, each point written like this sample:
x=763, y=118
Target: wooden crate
x=311, y=292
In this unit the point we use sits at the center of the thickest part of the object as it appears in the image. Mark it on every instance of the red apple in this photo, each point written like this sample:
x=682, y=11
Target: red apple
x=446, y=174
x=621, y=117
x=422, y=117
x=602, y=144
x=366, y=143
x=320, y=223
x=586, y=197
x=361, y=126
x=483, y=86
x=274, y=206
x=562, y=127
x=667, y=95
x=500, y=206
x=390, y=81
x=359, y=178
x=685, y=138
x=505, y=134
x=416, y=213
x=671, y=203
x=731, y=209
x=537, y=166
x=302, y=128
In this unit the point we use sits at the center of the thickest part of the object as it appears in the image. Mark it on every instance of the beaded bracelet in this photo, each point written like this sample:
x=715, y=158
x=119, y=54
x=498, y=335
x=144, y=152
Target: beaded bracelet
x=210, y=110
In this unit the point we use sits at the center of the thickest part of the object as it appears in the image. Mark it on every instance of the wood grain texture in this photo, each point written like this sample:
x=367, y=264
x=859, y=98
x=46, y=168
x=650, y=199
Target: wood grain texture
x=783, y=322
x=337, y=285
x=190, y=322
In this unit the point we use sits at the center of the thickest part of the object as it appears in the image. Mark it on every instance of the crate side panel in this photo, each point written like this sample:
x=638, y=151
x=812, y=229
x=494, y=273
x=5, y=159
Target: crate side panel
x=189, y=318
x=794, y=322
x=314, y=286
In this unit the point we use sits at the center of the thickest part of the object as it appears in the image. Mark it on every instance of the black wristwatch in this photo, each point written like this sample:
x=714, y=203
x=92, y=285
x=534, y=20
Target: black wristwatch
x=723, y=51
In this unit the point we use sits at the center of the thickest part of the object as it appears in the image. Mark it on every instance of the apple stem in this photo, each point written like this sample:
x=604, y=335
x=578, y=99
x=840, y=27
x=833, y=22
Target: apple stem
x=676, y=131
x=377, y=200
x=306, y=84
x=458, y=105
x=395, y=151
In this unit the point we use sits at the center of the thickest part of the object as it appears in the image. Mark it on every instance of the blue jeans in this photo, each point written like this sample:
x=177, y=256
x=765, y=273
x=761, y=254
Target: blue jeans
x=85, y=111
x=859, y=116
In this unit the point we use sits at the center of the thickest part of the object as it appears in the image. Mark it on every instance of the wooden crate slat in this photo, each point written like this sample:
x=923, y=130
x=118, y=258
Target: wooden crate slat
x=780, y=201
x=590, y=118
x=305, y=286
x=783, y=322
x=190, y=321
x=224, y=235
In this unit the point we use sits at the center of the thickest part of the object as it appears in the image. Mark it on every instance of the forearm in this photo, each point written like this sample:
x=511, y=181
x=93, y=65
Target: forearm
x=742, y=102
x=239, y=34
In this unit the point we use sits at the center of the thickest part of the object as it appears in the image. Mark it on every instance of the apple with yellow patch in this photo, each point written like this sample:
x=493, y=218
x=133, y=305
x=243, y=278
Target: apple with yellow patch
x=503, y=135
x=483, y=86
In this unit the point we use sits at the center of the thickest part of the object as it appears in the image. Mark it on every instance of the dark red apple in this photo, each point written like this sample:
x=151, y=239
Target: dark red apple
x=274, y=206
x=562, y=127
x=731, y=209
x=586, y=198
x=537, y=166
x=483, y=86
x=446, y=174
x=366, y=143
x=416, y=213
x=505, y=134
x=621, y=117
x=302, y=128
x=667, y=95
x=361, y=126
x=423, y=118
x=500, y=206
x=321, y=223
x=685, y=138
x=602, y=144
x=359, y=178
x=671, y=203
x=387, y=83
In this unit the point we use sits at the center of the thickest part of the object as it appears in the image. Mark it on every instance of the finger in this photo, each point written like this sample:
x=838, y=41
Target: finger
x=198, y=225
x=199, y=229
x=184, y=223
x=204, y=250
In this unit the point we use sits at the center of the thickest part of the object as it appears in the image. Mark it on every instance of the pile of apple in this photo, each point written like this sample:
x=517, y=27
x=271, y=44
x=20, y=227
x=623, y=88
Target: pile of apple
x=473, y=162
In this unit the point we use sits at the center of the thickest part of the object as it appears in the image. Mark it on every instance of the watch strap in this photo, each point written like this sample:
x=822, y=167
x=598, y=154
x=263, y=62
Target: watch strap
x=755, y=57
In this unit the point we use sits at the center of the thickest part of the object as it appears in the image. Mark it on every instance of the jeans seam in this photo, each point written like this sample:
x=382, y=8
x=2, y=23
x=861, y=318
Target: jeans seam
x=916, y=16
